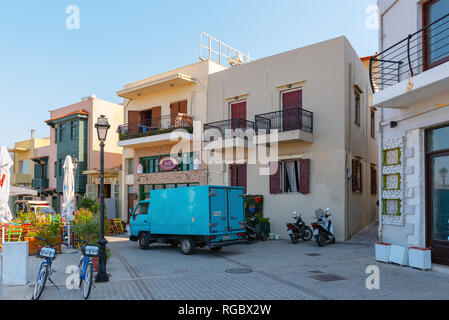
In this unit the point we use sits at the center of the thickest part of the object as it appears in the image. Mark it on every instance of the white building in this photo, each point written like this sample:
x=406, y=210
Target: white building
x=410, y=77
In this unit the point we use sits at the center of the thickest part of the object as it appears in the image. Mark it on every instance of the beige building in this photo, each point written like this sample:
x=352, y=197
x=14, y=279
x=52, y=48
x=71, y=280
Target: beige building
x=159, y=113
x=411, y=82
x=317, y=98
x=22, y=173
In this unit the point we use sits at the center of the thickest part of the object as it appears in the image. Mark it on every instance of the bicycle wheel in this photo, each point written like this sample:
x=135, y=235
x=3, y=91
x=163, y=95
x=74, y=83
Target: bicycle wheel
x=40, y=282
x=87, y=284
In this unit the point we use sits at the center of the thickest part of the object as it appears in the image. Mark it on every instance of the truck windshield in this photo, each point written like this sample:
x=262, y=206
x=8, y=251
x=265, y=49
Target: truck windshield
x=142, y=209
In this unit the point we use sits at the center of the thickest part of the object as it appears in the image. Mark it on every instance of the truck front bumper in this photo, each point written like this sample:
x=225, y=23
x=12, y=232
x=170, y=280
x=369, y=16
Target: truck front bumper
x=227, y=243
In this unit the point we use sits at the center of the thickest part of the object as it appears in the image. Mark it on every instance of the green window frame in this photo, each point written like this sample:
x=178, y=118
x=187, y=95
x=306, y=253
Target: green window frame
x=384, y=207
x=384, y=157
x=185, y=162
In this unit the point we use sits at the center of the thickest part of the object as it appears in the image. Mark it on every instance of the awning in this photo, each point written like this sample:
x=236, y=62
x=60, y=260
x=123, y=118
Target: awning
x=16, y=191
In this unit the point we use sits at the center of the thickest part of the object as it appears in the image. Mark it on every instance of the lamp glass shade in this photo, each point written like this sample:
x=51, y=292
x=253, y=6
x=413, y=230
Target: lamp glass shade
x=102, y=126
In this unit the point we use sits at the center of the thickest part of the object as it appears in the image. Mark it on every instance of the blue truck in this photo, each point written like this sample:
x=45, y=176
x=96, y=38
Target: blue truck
x=190, y=217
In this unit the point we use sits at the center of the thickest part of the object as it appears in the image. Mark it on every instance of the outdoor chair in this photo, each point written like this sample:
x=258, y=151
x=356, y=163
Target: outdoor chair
x=15, y=232
x=118, y=225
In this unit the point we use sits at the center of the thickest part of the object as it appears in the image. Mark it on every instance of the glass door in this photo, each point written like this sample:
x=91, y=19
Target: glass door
x=438, y=194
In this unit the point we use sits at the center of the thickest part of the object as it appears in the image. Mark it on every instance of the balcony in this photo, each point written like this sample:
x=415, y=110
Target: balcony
x=415, y=68
x=228, y=134
x=39, y=184
x=291, y=124
x=155, y=131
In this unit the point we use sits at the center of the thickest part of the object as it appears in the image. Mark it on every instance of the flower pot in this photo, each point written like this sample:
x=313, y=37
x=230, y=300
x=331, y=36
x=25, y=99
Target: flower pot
x=258, y=199
x=399, y=255
x=33, y=246
x=252, y=209
x=383, y=252
x=420, y=258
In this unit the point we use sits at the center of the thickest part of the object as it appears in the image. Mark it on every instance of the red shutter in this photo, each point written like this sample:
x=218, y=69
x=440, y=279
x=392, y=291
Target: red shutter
x=233, y=175
x=174, y=109
x=241, y=175
x=275, y=178
x=304, y=176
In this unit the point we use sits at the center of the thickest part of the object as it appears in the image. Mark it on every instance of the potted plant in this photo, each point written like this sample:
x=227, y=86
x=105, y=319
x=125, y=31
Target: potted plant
x=86, y=226
x=49, y=231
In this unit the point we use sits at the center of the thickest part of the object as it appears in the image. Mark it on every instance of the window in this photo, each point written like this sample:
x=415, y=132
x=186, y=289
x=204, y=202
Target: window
x=142, y=208
x=61, y=132
x=24, y=167
x=185, y=162
x=357, y=182
x=357, y=108
x=150, y=164
x=436, y=38
x=56, y=134
x=373, y=124
x=129, y=166
x=146, y=188
x=373, y=179
x=73, y=127
x=291, y=176
x=56, y=169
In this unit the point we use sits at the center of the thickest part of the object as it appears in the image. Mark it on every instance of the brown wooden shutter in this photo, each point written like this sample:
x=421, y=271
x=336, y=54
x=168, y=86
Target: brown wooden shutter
x=156, y=117
x=275, y=178
x=354, y=175
x=174, y=109
x=241, y=176
x=304, y=176
x=183, y=106
x=133, y=119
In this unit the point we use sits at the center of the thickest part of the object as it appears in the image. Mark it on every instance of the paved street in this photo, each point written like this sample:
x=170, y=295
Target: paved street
x=279, y=270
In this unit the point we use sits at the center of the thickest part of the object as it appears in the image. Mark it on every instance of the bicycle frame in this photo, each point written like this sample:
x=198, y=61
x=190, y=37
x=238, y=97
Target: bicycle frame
x=85, y=261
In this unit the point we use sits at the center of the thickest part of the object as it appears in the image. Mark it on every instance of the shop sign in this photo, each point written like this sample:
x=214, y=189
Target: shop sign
x=168, y=164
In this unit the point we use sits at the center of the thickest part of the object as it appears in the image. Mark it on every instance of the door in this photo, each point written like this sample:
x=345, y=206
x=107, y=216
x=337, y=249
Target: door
x=140, y=219
x=437, y=213
x=239, y=175
x=236, y=215
x=218, y=210
x=238, y=115
x=291, y=115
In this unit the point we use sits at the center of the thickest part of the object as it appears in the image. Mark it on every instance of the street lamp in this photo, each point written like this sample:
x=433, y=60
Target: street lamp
x=443, y=174
x=102, y=127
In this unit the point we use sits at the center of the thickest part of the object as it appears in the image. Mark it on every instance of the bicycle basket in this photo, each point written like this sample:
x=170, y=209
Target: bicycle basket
x=91, y=251
x=47, y=252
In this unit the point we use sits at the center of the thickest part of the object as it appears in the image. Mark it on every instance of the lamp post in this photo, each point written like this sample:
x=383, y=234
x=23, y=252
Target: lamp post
x=102, y=127
x=443, y=174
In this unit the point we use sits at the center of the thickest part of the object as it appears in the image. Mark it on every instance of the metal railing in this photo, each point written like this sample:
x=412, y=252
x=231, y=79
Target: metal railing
x=39, y=183
x=284, y=120
x=420, y=51
x=154, y=126
x=232, y=128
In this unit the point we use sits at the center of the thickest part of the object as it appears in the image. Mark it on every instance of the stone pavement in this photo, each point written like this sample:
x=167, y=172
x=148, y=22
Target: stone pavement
x=277, y=270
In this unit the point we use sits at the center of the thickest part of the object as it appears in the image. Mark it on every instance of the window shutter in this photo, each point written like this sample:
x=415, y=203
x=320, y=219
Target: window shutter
x=233, y=175
x=304, y=176
x=183, y=106
x=174, y=109
x=354, y=175
x=156, y=117
x=275, y=178
x=133, y=119
x=241, y=175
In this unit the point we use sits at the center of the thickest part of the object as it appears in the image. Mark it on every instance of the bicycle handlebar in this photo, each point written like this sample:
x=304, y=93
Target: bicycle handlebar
x=48, y=243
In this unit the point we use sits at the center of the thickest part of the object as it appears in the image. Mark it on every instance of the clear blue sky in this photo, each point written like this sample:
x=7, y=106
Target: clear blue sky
x=44, y=65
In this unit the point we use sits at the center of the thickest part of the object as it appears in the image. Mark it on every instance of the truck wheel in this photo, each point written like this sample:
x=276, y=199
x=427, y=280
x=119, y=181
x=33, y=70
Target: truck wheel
x=187, y=246
x=216, y=249
x=144, y=241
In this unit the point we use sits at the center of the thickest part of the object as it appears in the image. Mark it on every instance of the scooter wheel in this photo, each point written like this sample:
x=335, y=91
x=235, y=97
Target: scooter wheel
x=294, y=239
x=320, y=242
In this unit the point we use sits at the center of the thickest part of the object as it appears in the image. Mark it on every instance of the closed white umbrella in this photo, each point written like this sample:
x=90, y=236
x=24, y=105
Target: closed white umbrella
x=5, y=180
x=68, y=207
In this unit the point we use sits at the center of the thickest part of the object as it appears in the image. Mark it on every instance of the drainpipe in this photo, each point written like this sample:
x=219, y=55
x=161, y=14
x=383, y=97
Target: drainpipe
x=380, y=141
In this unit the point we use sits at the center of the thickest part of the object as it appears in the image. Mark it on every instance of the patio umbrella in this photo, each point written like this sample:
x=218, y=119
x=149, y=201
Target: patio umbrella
x=5, y=164
x=68, y=208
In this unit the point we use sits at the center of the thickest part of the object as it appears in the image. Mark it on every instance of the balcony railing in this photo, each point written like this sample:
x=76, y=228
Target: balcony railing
x=226, y=129
x=154, y=126
x=39, y=184
x=420, y=51
x=284, y=120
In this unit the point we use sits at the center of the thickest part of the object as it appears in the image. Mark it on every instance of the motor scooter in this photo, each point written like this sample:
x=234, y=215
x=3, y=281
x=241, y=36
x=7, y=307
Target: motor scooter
x=298, y=230
x=323, y=229
x=254, y=230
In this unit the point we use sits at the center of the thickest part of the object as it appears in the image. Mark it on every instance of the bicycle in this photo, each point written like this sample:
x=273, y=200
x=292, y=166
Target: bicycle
x=45, y=270
x=86, y=267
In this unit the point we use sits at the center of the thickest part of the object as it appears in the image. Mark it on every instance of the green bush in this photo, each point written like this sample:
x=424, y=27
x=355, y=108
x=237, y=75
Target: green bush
x=86, y=226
